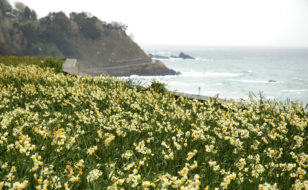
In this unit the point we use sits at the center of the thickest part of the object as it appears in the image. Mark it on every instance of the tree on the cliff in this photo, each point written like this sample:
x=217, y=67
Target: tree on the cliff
x=118, y=25
x=30, y=31
x=59, y=19
x=5, y=6
x=56, y=28
x=24, y=12
x=29, y=14
x=88, y=26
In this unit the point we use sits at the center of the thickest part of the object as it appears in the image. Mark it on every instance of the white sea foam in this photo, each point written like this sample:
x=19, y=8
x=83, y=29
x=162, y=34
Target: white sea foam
x=174, y=83
x=164, y=53
x=175, y=58
x=149, y=77
x=257, y=81
x=253, y=81
x=294, y=90
x=204, y=59
x=209, y=74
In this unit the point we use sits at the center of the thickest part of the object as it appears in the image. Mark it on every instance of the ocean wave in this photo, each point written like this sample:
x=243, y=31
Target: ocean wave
x=294, y=90
x=148, y=77
x=209, y=74
x=204, y=59
x=174, y=83
x=164, y=53
x=253, y=81
x=258, y=81
x=179, y=83
x=174, y=58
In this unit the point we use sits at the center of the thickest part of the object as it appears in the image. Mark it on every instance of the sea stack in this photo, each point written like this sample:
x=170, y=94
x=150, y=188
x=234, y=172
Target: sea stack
x=185, y=56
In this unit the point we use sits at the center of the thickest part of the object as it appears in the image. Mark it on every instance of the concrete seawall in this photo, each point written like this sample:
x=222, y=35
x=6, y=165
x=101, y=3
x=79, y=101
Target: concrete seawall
x=71, y=66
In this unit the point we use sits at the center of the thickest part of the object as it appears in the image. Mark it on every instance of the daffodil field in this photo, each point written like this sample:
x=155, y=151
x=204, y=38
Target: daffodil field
x=62, y=131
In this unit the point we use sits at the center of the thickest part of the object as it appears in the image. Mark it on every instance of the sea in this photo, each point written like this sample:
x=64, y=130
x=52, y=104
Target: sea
x=235, y=72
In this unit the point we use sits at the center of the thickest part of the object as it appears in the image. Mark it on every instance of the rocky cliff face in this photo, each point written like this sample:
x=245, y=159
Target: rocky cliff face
x=98, y=46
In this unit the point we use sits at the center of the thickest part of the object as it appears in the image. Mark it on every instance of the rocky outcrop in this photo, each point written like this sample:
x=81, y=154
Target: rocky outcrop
x=272, y=81
x=157, y=68
x=185, y=56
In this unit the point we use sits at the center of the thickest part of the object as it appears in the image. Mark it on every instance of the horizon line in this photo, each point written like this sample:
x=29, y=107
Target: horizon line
x=231, y=46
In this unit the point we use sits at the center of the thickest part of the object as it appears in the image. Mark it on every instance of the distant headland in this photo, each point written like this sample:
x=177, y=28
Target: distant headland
x=100, y=47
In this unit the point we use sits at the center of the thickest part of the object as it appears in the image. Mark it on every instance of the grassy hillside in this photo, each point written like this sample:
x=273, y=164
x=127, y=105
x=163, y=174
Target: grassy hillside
x=44, y=63
x=61, y=131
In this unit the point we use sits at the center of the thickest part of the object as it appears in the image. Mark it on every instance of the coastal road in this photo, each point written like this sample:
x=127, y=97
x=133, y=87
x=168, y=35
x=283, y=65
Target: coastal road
x=121, y=65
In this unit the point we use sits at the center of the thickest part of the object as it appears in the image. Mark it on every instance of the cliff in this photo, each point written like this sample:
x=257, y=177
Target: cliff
x=96, y=44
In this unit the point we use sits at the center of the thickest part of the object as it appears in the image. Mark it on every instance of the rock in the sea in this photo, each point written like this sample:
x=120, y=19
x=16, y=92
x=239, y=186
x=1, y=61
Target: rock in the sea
x=181, y=55
x=271, y=81
x=157, y=68
x=185, y=56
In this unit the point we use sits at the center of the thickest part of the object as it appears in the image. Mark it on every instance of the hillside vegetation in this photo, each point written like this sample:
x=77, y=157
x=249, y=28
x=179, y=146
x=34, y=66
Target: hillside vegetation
x=67, y=132
x=95, y=43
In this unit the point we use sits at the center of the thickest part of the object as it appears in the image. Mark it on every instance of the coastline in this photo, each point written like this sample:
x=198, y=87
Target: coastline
x=71, y=66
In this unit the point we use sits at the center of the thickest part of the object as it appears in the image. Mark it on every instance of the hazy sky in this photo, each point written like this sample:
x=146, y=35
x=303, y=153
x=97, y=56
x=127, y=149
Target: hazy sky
x=197, y=22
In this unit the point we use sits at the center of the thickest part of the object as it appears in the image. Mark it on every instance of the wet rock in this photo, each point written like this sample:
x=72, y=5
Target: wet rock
x=185, y=56
x=272, y=81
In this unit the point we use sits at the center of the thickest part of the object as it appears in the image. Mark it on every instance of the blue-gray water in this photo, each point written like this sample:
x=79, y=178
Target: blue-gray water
x=234, y=72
